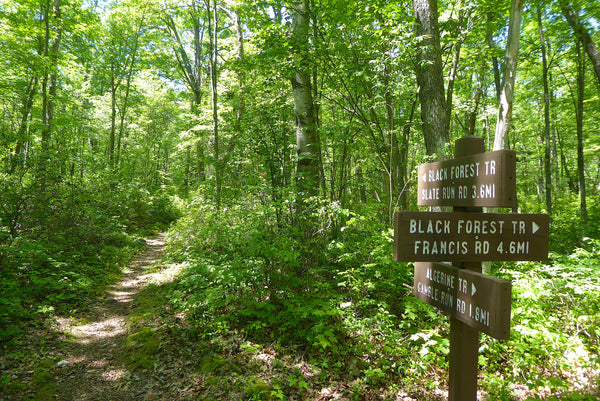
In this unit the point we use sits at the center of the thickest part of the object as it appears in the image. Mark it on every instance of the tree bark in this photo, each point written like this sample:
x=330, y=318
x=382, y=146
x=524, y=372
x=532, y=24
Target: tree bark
x=434, y=114
x=113, y=116
x=546, y=132
x=584, y=37
x=508, y=79
x=455, y=60
x=307, y=141
x=490, y=39
x=17, y=160
x=53, y=34
x=579, y=116
x=212, y=28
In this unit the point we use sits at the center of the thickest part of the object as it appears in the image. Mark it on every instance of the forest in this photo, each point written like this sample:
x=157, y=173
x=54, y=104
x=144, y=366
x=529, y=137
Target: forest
x=268, y=144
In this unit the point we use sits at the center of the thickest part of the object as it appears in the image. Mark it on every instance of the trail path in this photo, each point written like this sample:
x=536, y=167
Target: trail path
x=95, y=367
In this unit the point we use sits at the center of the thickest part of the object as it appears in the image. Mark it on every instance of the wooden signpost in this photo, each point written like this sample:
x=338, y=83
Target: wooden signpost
x=466, y=237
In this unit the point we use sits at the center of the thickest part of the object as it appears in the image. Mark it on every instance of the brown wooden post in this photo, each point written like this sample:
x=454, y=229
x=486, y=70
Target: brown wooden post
x=464, y=340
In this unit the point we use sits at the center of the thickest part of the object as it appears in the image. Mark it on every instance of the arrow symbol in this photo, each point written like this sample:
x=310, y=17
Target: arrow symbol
x=425, y=177
x=535, y=227
x=473, y=289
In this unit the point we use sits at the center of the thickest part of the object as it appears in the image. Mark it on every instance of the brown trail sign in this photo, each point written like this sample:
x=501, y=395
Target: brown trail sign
x=480, y=301
x=470, y=237
x=475, y=302
x=484, y=179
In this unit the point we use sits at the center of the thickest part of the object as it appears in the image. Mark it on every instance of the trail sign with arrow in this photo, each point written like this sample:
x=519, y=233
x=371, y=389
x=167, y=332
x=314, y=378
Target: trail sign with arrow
x=469, y=237
x=480, y=301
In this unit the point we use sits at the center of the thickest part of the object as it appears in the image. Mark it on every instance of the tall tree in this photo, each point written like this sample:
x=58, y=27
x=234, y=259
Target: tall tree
x=509, y=76
x=579, y=117
x=121, y=46
x=211, y=10
x=191, y=62
x=307, y=140
x=546, y=130
x=51, y=42
x=434, y=113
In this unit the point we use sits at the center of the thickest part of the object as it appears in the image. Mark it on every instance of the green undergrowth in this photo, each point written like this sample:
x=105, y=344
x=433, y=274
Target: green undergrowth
x=59, y=249
x=554, y=348
x=253, y=323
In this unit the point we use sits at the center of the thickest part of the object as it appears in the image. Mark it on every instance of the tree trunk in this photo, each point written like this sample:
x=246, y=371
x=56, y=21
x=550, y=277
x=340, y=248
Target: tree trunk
x=123, y=109
x=51, y=47
x=394, y=151
x=584, y=37
x=472, y=121
x=579, y=115
x=190, y=69
x=212, y=28
x=434, y=114
x=404, y=145
x=509, y=75
x=455, y=60
x=490, y=39
x=241, y=72
x=113, y=118
x=546, y=131
x=200, y=168
x=17, y=160
x=307, y=141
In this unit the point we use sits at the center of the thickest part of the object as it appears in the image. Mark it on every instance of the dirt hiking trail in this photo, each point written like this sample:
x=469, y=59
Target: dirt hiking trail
x=95, y=367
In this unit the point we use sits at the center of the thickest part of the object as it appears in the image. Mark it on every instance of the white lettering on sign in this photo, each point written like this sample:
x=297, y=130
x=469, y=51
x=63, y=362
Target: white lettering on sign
x=480, y=315
x=440, y=277
x=514, y=248
x=479, y=227
x=464, y=307
x=461, y=171
x=437, y=175
x=430, y=194
x=441, y=248
x=448, y=193
x=465, y=170
x=428, y=291
x=429, y=226
x=490, y=167
x=460, y=192
x=439, y=236
x=462, y=285
x=476, y=227
x=480, y=301
x=518, y=227
x=453, y=292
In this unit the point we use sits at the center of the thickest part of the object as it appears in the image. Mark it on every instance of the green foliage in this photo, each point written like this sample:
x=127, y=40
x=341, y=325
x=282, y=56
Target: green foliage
x=554, y=320
x=349, y=312
x=55, y=253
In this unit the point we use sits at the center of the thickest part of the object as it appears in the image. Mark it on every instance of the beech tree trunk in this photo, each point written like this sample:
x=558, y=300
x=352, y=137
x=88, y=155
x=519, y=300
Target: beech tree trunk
x=307, y=140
